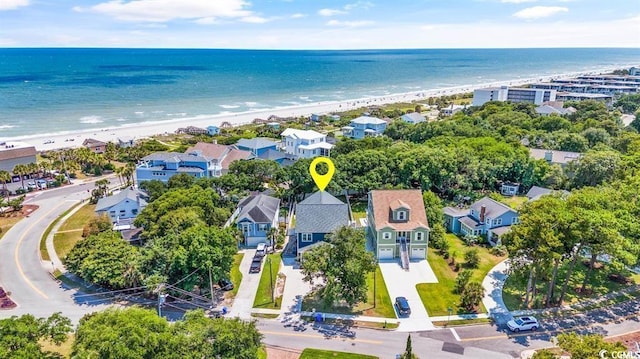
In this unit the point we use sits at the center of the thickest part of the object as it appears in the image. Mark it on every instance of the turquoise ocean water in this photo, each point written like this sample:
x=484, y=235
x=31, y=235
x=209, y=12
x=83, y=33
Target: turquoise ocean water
x=64, y=90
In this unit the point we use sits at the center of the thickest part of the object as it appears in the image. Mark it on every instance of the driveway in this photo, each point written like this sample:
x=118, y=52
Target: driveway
x=401, y=283
x=243, y=302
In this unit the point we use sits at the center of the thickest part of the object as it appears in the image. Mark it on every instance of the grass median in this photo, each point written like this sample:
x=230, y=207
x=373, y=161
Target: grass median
x=264, y=294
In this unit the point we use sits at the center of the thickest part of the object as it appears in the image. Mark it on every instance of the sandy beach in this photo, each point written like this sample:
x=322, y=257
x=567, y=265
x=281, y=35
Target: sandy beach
x=142, y=130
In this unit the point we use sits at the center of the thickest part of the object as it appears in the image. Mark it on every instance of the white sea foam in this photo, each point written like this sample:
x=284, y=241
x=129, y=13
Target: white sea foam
x=122, y=119
x=229, y=106
x=139, y=113
x=251, y=104
x=91, y=119
x=4, y=127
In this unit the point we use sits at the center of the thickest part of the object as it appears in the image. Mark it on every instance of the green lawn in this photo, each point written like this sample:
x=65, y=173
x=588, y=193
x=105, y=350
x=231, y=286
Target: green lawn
x=80, y=218
x=359, y=210
x=70, y=232
x=383, y=307
x=599, y=284
x=329, y=354
x=7, y=222
x=44, y=253
x=263, y=294
x=236, y=275
x=437, y=297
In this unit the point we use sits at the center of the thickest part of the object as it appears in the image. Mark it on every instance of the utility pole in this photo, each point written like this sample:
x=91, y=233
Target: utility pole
x=271, y=279
x=211, y=288
x=161, y=299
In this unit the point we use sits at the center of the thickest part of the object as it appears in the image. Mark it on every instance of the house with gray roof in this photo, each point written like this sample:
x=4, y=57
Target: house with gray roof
x=257, y=146
x=318, y=215
x=283, y=159
x=413, y=118
x=257, y=214
x=122, y=206
x=536, y=192
x=484, y=217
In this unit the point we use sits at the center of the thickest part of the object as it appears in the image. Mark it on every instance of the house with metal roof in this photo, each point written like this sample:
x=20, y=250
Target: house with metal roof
x=536, y=192
x=413, y=118
x=124, y=205
x=397, y=224
x=14, y=153
x=318, y=215
x=257, y=146
x=257, y=214
x=364, y=126
x=484, y=217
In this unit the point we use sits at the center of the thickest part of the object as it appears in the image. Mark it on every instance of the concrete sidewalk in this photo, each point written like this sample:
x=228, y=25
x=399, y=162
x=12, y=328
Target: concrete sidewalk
x=243, y=302
x=492, y=284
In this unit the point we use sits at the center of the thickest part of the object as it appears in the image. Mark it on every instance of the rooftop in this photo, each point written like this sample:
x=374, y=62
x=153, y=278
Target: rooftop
x=560, y=157
x=384, y=201
x=302, y=134
x=257, y=143
x=259, y=208
x=493, y=208
x=321, y=213
x=13, y=149
x=366, y=120
x=131, y=194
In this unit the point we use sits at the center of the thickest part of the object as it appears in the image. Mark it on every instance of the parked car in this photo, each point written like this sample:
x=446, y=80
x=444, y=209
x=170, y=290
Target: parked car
x=31, y=185
x=402, y=304
x=523, y=323
x=256, y=265
x=261, y=250
x=225, y=284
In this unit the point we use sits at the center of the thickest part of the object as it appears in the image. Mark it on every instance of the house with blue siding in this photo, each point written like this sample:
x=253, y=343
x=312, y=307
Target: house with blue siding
x=484, y=217
x=318, y=215
x=364, y=126
x=123, y=205
x=257, y=146
x=201, y=160
x=257, y=214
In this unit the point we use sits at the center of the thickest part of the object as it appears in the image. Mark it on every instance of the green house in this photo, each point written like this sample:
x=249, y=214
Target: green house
x=397, y=224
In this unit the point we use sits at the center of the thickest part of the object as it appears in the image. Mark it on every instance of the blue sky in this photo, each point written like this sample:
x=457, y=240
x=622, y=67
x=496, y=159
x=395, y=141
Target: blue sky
x=320, y=24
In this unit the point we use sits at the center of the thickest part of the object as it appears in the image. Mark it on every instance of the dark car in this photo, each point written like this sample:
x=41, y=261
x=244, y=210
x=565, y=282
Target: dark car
x=402, y=304
x=256, y=264
x=225, y=284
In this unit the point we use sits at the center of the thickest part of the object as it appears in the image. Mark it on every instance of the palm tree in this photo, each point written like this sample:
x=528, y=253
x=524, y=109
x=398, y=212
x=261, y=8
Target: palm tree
x=471, y=296
x=5, y=177
x=20, y=170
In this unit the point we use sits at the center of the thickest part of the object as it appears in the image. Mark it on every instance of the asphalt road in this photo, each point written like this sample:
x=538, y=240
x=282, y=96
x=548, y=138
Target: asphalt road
x=23, y=275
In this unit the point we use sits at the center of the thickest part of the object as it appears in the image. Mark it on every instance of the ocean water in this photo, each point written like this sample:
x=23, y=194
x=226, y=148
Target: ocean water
x=51, y=90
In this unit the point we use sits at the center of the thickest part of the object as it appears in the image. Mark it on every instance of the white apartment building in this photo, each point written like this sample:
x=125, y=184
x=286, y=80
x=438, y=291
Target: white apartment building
x=513, y=94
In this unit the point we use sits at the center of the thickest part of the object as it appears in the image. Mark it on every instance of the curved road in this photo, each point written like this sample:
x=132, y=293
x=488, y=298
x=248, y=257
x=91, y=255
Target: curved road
x=23, y=274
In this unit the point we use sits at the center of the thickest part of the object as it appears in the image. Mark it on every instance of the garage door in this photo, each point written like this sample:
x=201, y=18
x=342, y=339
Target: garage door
x=253, y=241
x=418, y=253
x=385, y=253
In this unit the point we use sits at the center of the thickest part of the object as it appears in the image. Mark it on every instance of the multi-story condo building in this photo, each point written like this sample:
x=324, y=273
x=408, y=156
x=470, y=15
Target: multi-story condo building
x=513, y=94
x=305, y=143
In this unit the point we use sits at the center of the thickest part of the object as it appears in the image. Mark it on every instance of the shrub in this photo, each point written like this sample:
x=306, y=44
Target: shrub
x=471, y=240
x=499, y=250
x=457, y=267
x=462, y=280
x=472, y=258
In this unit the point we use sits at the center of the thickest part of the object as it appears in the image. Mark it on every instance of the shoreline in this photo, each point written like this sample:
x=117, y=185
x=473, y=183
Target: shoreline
x=150, y=128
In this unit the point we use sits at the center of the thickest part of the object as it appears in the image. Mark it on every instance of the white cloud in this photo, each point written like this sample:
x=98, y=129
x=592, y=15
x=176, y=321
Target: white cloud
x=254, y=19
x=331, y=12
x=12, y=4
x=538, y=12
x=167, y=10
x=517, y=1
x=345, y=9
x=298, y=16
x=349, y=23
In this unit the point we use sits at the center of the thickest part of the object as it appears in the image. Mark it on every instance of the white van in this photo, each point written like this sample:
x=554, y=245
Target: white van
x=261, y=249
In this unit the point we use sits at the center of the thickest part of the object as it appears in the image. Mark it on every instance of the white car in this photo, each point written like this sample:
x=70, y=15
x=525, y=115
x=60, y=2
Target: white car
x=523, y=323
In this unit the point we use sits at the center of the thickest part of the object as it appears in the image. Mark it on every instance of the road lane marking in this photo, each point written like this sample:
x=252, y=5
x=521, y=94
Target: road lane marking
x=17, y=251
x=317, y=336
x=455, y=334
x=485, y=338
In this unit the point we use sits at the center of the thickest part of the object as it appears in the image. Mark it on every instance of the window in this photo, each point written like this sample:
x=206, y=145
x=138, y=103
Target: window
x=263, y=227
x=497, y=222
x=306, y=237
x=515, y=220
x=401, y=215
x=386, y=235
x=418, y=236
x=134, y=211
x=112, y=213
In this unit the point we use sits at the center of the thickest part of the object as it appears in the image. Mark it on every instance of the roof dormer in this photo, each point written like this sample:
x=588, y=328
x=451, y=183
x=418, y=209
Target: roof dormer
x=399, y=211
